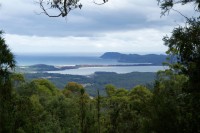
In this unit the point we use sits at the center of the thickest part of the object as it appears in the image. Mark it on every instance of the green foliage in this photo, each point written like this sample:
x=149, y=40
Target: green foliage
x=127, y=110
x=98, y=81
x=166, y=104
x=179, y=89
x=110, y=90
x=45, y=87
x=74, y=87
x=38, y=106
x=6, y=57
x=184, y=42
x=167, y=5
x=17, y=79
x=7, y=63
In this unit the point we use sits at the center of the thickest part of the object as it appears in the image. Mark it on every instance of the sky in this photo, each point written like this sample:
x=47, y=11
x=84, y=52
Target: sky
x=126, y=26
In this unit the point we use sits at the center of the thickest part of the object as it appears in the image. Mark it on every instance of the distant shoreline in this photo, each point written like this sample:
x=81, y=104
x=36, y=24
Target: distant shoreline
x=108, y=58
x=44, y=67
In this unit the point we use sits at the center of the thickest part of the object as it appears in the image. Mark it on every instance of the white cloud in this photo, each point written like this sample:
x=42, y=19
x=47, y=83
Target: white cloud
x=136, y=41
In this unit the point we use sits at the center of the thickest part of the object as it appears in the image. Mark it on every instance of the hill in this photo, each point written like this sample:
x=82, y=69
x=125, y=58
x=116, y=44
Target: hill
x=98, y=80
x=154, y=59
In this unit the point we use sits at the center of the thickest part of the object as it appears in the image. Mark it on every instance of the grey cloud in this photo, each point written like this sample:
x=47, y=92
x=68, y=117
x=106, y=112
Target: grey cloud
x=87, y=22
x=105, y=21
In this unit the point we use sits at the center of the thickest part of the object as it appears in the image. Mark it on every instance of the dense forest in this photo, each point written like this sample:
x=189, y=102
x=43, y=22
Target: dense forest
x=173, y=105
x=98, y=80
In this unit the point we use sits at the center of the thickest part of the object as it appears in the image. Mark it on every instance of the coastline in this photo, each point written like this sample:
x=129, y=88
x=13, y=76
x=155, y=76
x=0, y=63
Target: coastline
x=44, y=67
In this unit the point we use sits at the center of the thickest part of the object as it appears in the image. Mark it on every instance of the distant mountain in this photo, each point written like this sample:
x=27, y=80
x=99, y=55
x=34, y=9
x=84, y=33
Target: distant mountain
x=112, y=55
x=135, y=58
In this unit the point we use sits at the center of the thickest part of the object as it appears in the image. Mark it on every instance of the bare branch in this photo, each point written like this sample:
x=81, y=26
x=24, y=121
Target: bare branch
x=45, y=10
x=181, y=14
x=62, y=6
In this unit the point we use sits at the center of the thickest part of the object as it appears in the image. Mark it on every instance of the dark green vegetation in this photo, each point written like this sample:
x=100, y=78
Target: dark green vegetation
x=98, y=81
x=38, y=106
x=172, y=106
x=135, y=58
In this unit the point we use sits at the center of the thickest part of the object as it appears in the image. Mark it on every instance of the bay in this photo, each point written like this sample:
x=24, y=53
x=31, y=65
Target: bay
x=118, y=69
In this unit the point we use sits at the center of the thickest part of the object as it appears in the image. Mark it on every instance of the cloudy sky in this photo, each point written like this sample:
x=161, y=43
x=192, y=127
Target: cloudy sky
x=128, y=26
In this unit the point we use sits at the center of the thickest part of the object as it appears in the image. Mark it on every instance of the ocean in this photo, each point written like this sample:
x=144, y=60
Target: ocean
x=58, y=60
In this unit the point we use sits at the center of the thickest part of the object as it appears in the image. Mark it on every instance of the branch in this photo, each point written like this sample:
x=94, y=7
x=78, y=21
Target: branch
x=63, y=6
x=181, y=14
x=167, y=5
x=45, y=12
x=104, y=1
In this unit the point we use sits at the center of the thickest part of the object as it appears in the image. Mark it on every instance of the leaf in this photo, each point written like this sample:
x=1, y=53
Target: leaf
x=80, y=6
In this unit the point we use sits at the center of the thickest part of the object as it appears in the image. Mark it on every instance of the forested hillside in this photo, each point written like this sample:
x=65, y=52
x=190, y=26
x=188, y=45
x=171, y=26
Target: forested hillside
x=98, y=80
x=135, y=58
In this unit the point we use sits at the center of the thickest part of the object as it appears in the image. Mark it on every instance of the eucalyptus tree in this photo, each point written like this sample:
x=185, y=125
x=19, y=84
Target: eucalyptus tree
x=184, y=44
x=7, y=63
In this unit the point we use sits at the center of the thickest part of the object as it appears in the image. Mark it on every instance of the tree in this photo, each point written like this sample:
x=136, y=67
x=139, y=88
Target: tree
x=17, y=79
x=63, y=7
x=7, y=63
x=184, y=44
x=139, y=111
x=168, y=105
x=167, y=5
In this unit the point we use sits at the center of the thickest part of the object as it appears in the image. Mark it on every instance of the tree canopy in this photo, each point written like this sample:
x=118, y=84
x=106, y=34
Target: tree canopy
x=7, y=61
x=185, y=44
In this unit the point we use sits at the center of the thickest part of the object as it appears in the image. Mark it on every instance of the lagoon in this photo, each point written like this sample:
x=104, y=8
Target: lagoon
x=117, y=69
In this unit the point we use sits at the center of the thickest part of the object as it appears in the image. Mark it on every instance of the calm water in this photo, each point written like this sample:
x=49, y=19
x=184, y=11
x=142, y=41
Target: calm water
x=78, y=60
x=62, y=60
x=92, y=70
